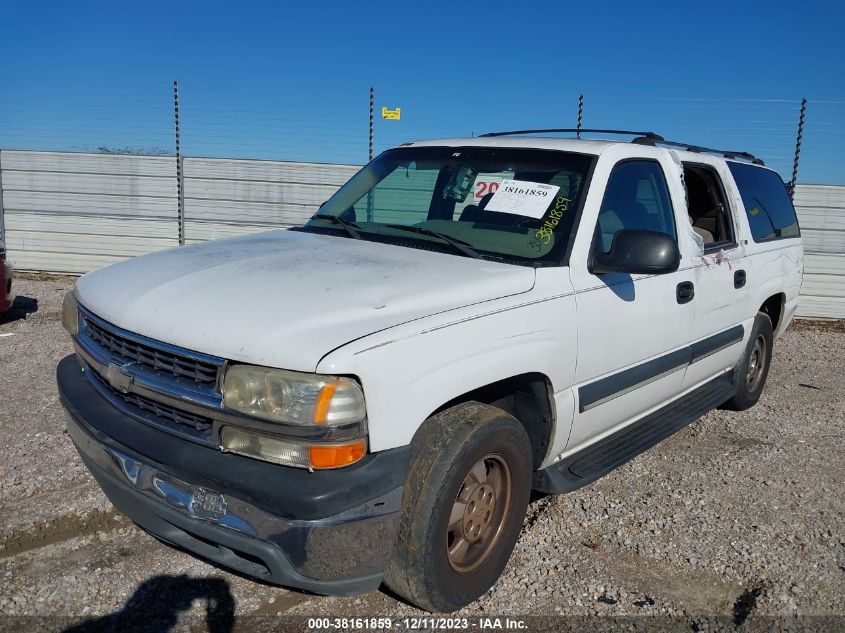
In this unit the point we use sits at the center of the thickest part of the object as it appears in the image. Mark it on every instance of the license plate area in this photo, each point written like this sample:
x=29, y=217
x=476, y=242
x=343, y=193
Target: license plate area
x=208, y=504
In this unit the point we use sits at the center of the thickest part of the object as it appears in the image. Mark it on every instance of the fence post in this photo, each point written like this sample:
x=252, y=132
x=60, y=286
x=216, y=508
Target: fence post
x=372, y=109
x=370, y=193
x=180, y=191
x=798, y=137
x=2, y=212
x=580, y=114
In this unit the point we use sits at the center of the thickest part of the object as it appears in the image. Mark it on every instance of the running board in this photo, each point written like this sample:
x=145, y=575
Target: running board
x=598, y=459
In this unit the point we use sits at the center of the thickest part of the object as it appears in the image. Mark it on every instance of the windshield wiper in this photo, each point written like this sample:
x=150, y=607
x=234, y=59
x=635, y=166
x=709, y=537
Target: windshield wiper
x=458, y=245
x=348, y=225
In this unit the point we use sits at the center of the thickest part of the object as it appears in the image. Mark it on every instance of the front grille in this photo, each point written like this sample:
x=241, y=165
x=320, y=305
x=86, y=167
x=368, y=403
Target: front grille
x=165, y=413
x=162, y=361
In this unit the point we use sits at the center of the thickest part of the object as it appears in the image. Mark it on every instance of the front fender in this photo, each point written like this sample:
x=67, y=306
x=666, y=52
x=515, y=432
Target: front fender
x=409, y=376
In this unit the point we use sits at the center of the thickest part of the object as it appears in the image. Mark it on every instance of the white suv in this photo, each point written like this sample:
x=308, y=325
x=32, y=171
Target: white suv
x=373, y=395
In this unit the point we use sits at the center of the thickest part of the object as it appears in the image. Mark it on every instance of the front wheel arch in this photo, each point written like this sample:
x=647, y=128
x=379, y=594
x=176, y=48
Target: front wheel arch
x=527, y=397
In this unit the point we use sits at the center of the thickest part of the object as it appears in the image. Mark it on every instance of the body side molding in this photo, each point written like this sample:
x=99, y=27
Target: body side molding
x=716, y=343
x=605, y=389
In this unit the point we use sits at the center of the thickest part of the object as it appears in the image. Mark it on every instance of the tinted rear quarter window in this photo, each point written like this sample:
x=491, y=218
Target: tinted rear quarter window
x=771, y=215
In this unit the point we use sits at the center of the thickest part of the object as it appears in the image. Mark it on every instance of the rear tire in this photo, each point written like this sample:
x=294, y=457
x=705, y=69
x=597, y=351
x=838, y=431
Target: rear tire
x=465, y=498
x=753, y=368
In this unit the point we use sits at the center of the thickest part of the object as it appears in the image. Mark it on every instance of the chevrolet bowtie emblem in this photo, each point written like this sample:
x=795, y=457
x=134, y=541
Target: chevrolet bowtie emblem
x=117, y=379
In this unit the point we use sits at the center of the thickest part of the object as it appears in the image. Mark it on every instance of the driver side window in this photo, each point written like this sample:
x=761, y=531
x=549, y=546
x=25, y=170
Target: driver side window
x=636, y=197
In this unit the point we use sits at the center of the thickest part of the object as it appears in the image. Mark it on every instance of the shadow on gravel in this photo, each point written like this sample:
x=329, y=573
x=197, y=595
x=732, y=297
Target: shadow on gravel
x=745, y=605
x=156, y=604
x=21, y=307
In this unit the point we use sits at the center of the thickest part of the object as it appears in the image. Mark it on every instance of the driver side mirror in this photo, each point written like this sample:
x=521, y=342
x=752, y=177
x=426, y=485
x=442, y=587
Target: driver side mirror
x=635, y=251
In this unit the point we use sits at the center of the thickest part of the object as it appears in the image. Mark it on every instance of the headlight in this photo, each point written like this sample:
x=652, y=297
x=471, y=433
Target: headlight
x=70, y=314
x=292, y=397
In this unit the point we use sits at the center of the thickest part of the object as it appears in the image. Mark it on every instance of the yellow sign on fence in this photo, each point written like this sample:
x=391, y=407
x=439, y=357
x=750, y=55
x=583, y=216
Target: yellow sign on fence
x=391, y=114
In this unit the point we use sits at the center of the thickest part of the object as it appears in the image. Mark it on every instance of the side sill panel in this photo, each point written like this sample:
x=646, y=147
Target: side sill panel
x=602, y=457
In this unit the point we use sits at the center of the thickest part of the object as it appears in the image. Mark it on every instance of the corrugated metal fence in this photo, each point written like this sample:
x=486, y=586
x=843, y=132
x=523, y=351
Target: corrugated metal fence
x=224, y=197
x=821, y=212
x=71, y=213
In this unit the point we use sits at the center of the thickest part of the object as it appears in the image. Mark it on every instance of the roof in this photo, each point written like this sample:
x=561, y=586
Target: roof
x=582, y=146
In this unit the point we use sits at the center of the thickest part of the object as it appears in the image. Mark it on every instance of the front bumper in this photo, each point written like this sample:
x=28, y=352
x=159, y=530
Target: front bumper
x=343, y=553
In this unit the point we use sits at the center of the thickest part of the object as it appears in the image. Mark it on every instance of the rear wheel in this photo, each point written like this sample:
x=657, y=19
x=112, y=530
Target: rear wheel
x=753, y=368
x=465, y=499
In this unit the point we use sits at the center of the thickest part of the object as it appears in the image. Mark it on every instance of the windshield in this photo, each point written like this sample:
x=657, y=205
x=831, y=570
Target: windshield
x=513, y=205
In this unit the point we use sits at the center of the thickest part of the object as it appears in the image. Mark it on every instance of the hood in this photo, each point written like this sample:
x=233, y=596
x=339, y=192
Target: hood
x=287, y=298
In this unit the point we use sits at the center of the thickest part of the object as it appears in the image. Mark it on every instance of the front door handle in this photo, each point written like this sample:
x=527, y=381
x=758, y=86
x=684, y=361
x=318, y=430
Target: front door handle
x=739, y=279
x=685, y=292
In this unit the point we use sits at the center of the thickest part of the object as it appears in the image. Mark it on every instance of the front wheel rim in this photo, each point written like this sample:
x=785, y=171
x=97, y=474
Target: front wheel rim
x=756, y=364
x=479, y=513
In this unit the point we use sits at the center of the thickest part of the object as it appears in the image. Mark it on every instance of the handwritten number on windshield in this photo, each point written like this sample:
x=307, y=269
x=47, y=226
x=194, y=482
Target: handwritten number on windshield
x=546, y=232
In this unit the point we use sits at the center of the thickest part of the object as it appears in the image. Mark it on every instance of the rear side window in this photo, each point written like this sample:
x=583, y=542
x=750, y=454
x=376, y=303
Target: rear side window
x=767, y=204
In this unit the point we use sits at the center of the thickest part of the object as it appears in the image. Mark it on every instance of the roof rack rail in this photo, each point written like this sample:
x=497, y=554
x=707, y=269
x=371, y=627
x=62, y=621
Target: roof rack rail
x=642, y=138
x=727, y=153
x=649, y=135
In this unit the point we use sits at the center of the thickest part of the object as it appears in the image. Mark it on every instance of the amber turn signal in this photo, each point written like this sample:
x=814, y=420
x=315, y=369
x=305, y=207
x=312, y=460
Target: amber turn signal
x=336, y=456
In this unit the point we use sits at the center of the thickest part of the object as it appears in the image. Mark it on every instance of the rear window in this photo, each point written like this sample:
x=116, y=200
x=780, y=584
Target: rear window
x=767, y=204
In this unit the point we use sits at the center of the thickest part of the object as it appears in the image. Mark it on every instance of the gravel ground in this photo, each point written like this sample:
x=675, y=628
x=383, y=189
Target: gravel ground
x=739, y=517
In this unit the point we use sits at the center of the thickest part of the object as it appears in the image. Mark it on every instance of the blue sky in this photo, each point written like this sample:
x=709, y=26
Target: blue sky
x=290, y=81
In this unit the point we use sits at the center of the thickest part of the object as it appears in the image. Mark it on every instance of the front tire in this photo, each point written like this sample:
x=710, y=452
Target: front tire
x=465, y=498
x=753, y=368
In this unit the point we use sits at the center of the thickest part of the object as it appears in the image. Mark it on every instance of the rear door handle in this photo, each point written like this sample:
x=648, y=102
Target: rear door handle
x=685, y=292
x=739, y=279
